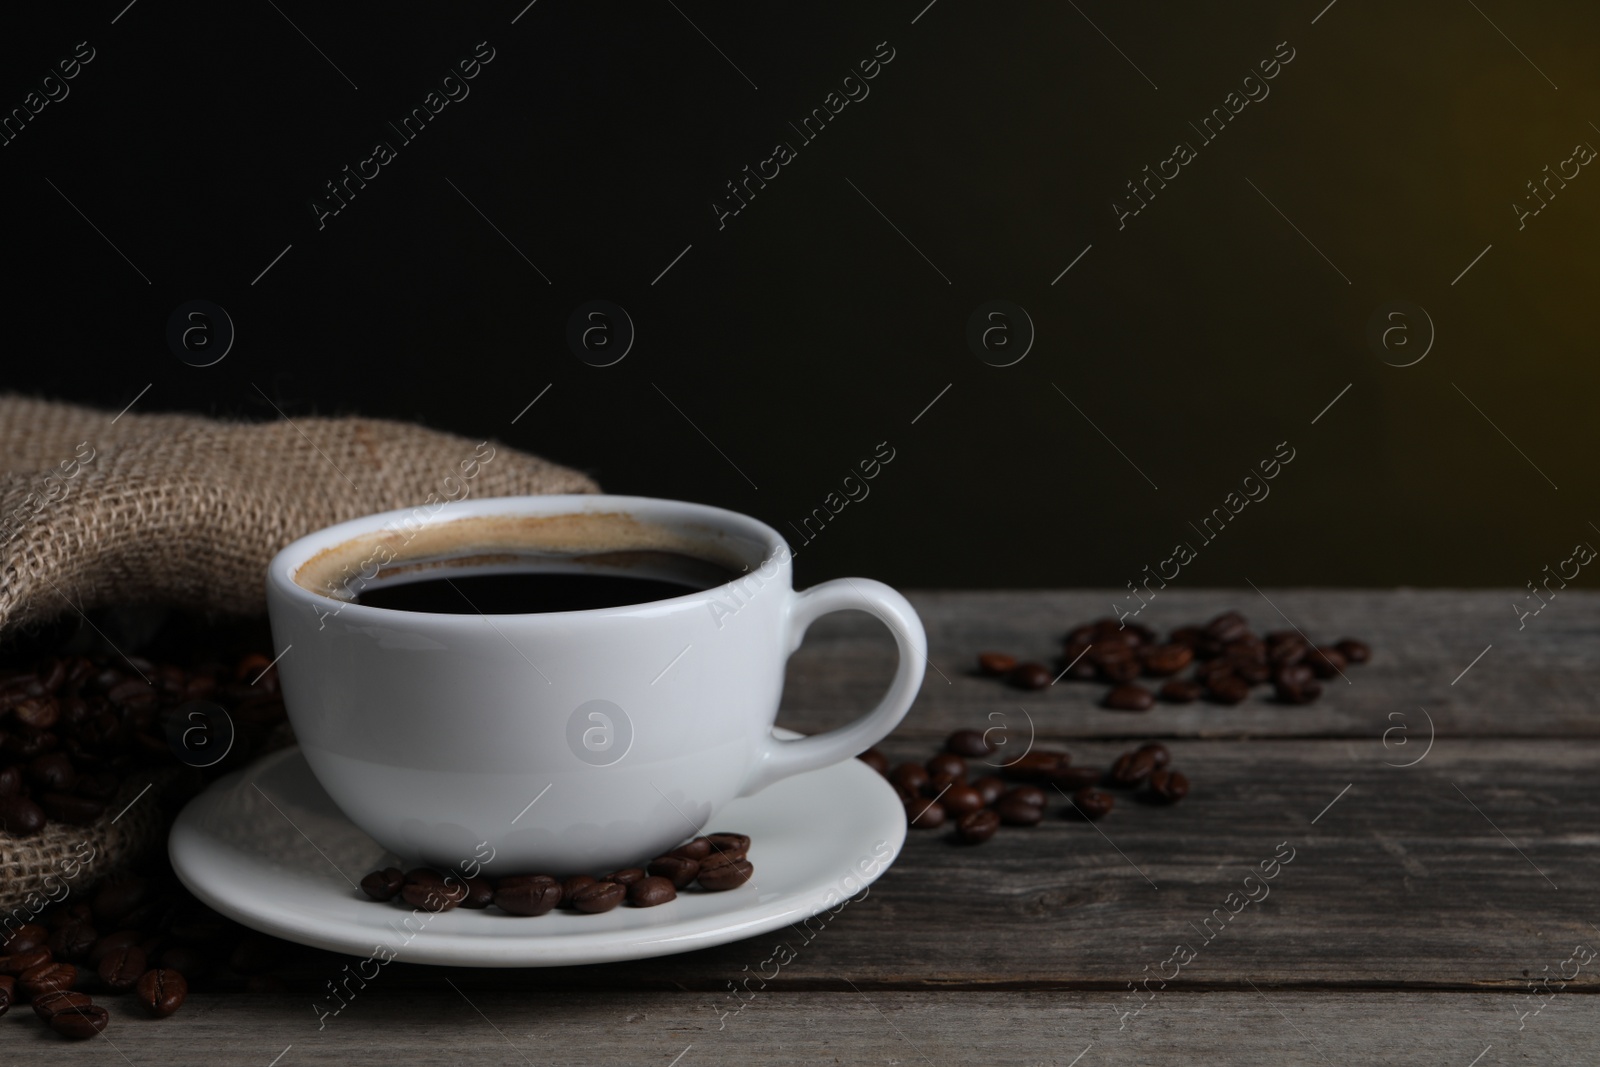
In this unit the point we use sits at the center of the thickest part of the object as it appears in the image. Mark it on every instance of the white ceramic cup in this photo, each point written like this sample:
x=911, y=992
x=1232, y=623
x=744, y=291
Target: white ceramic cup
x=571, y=742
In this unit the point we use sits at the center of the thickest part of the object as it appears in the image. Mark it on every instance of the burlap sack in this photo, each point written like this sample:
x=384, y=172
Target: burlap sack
x=98, y=509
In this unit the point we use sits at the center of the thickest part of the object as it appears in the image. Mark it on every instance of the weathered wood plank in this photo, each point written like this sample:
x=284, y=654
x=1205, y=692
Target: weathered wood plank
x=1261, y=1026
x=1536, y=681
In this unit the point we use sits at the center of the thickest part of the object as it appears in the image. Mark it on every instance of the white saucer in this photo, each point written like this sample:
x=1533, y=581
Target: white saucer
x=268, y=848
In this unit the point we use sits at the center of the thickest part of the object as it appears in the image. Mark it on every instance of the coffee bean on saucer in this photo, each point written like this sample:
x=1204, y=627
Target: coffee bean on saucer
x=1354, y=651
x=1325, y=662
x=989, y=788
x=120, y=969
x=20, y=817
x=47, y=978
x=968, y=743
x=1158, y=753
x=570, y=886
x=961, y=800
x=480, y=893
x=1180, y=692
x=976, y=827
x=651, y=891
x=1024, y=794
x=625, y=877
x=679, y=870
x=876, y=760
x=534, y=894
x=996, y=664
x=1167, y=787
x=48, y=1004
x=385, y=884
x=1092, y=803
x=1227, y=689
x=161, y=991
x=700, y=847
x=1029, y=676
x=432, y=897
x=1071, y=779
x=1129, y=697
x=1015, y=812
x=80, y=1023
x=908, y=778
x=597, y=897
x=730, y=844
x=726, y=876
x=924, y=814
x=1038, y=765
x=1131, y=769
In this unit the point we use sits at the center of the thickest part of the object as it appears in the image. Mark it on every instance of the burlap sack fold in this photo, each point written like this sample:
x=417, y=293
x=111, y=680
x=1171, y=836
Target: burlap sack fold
x=99, y=509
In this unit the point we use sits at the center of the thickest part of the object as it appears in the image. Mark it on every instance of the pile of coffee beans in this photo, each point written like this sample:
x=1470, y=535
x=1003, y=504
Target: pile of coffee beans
x=938, y=792
x=715, y=862
x=1228, y=660
x=76, y=728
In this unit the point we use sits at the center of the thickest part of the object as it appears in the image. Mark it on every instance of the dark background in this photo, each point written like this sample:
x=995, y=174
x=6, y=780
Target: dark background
x=809, y=330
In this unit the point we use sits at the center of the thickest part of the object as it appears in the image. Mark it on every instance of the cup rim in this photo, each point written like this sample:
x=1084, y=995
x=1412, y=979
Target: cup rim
x=289, y=559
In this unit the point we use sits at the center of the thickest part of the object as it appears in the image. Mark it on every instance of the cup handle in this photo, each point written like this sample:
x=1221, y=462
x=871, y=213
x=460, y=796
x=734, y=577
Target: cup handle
x=780, y=759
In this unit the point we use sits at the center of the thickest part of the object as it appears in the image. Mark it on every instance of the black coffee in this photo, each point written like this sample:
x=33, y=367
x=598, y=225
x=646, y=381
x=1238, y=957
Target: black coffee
x=526, y=592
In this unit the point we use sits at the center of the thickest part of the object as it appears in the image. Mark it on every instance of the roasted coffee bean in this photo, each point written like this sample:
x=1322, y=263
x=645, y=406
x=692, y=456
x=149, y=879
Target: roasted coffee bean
x=947, y=763
x=8, y=992
x=601, y=896
x=424, y=876
x=25, y=937
x=121, y=969
x=10, y=782
x=28, y=744
x=1024, y=794
x=161, y=991
x=1158, y=753
x=429, y=897
x=1167, y=787
x=976, y=827
x=1288, y=648
x=47, y=978
x=132, y=694
x=1354, y=651
x=76, y=912
x=1092, y=803
x=1014, y=812
x=968, y=743
x=53, y=772
x=989, y=788
x=18, y=962
x=648, y=892
x=625, y=877
x=528, y=895
x=1164, y=660
x=1253, y=672
x=908, y=778
x=996, y=664
x=730, y=843
x=1071, y=779
x=679, y=870
x=100, y=785
x=37, y=713
x=72, y=942
x=700, y=847
x=1029, y=676
x=1293, y=675
x=940, y=782
x=20, y=817
x=961, y=800
x=1076, y=663
x=1303, y=693
x=48, y=1004
x=385, y=884
x=571, y=886
x=924, y=814
x=1131, y=769
x=1326, y=662
x=1180, y=692
x=1039, y=765
x=1227, y=689
x=80, y=1024
x=480, y=894
x=727, y=876
x=1228, y=626
x=876, y=760
x=1118, y=669
x=75, y=811
x=112, y=943
x=1130, y=698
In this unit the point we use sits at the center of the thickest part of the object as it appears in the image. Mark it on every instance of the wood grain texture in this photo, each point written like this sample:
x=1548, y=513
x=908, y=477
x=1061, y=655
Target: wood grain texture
x=1538, y=681
x=1260, y=1026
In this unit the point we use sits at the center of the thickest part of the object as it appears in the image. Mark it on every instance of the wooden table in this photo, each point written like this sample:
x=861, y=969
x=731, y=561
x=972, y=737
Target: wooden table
x=1431, y=913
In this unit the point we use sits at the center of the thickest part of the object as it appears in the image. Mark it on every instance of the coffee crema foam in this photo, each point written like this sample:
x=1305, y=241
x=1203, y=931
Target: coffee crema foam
x=599, y=540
